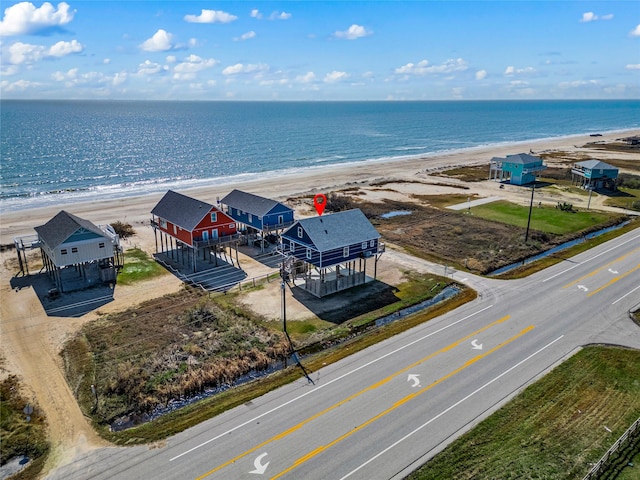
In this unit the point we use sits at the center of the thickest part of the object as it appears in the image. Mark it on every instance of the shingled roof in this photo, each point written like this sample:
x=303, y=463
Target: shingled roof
x=337, y=230
x=249, y=203
x=181, y=210
x=595, y=165
x=62, y=226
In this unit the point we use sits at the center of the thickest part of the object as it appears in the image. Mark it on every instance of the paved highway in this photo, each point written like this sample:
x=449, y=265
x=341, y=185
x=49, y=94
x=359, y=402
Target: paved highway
x=384, y=411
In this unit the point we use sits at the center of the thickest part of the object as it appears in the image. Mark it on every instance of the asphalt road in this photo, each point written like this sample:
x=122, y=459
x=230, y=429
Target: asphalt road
x=382, y=412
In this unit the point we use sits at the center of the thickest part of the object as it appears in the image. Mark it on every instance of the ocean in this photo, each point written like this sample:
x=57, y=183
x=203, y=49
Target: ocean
x=57, y=152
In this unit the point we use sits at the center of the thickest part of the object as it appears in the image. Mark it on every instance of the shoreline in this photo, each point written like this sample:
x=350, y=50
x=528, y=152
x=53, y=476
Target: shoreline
x=136, y=208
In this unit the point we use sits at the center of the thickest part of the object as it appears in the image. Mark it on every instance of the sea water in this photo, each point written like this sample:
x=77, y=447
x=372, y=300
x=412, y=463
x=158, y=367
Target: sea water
x=56, y=152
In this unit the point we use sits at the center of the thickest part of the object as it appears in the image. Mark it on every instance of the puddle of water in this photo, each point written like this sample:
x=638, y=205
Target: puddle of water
x=395, y=213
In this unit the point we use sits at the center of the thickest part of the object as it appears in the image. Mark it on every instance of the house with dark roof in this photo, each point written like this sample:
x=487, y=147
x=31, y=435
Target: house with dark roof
x=93, y=252
x=519, y=169
x=592, y=174
x=334, y=249
x=258, y=213
x=186, y=228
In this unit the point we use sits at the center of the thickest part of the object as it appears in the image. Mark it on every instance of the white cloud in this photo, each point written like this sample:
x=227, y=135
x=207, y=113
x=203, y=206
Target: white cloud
x=159, y=42
x=191, y=65
x=511, y=70
x=636, y=31
x=335, y=76
x=280, y=16
x=211, y=16
x=255, y=13
x=239, y=68
x=306, y=78
x=150, y=68
x=481, y=74
x=578, y=83
x=25, y=18
x=592, y=17
x=423, y=67
x=106, y=61
x=72, y=78
x=26, y=53
x=245, y=36
x=62, y=49
x=353, y=32
x=17, y=86
x=632, y=66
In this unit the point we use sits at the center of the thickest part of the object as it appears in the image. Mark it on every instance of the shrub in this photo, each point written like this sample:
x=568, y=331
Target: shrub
x=124, y=230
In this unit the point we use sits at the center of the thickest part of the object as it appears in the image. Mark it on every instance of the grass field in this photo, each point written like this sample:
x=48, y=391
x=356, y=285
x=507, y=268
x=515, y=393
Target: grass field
x=138, y=266
x=545, y=219
x=556, y=428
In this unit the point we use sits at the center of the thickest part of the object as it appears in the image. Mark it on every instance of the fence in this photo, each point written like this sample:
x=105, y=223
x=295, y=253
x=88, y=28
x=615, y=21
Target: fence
x=628, y=438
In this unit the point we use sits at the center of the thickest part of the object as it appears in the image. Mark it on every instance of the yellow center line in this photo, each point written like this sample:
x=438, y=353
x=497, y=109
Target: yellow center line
x=601, y=268
x=613, y=280
x=397, y=404
x=289, y=431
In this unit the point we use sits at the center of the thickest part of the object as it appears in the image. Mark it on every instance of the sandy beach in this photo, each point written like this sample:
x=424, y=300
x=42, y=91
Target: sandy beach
x=136, y=210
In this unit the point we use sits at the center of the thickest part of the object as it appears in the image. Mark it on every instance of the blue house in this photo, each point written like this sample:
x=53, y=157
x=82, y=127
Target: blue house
x=519, y=169
x=594, y=174
x=333, y=249
x=258, y=213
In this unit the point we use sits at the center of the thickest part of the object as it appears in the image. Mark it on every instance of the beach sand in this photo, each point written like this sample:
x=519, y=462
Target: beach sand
x=31, y=340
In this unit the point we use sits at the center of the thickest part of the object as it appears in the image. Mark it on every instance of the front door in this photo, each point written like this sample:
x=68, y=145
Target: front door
x=214, y=233
x=205, y=235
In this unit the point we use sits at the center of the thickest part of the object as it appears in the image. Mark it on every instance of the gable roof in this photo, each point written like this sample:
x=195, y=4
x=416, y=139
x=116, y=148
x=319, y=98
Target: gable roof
x=250, y=203
x=522, y=158
x=595, y=165
x=337, y=230
x=181, y=210
x=62, y=226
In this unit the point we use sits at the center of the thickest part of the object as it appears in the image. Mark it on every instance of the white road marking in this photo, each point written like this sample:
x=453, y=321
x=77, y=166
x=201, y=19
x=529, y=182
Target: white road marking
x=450, y=408
x=589, y=259
x=626, y=294
x=326, y=384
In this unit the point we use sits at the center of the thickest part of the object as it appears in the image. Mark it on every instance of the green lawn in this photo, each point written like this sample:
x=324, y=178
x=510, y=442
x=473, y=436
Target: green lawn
x=545, y=219
x=555, y=429
x=138, y=266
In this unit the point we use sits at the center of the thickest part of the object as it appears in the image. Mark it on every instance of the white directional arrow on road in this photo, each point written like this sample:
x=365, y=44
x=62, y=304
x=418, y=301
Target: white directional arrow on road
x=583, y=288
x=260, y=468
x=476, y=345
x=611, y=270
x=413, y=377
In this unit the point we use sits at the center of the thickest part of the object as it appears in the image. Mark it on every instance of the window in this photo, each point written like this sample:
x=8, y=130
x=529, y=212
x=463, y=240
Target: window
x=63, y=251
x=372, y=243
x=280, y=220
x=74, y=249
x=250, y=218
x=345, y=252
x=175, y=229
x=364, y=245
x=308, y=254
x=101, y=245
x=292, y=246
x=299, y=232
x=163, y=224
x=214, y=217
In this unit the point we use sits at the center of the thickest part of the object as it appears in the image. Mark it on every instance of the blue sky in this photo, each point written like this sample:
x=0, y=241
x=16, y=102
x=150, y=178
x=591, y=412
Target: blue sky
x=312, y=50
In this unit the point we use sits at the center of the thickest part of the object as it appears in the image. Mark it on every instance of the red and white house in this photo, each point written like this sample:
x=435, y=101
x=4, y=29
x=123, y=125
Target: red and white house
x=184, y=223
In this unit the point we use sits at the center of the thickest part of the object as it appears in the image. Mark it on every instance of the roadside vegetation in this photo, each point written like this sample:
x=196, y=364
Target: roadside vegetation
x=185, y=344
x=556, y=428
x=20, y=438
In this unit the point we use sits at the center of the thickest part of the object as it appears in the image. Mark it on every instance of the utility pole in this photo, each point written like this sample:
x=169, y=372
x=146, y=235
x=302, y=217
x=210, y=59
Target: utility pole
x=533, y=189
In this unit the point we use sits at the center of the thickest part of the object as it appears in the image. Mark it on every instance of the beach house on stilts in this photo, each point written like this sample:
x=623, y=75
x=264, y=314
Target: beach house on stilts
x=77, y=254
x=333, y=250
x=260, y=216
x=519, y=169
x=191, y=232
